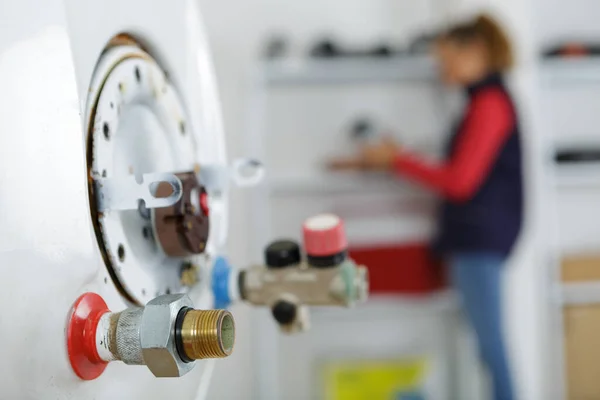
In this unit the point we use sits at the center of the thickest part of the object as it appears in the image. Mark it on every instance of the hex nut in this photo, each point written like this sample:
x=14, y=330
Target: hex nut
x=157, y=334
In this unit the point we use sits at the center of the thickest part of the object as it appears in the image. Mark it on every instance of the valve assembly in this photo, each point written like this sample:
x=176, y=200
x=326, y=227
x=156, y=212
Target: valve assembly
x=288, y=284
x=167, y=335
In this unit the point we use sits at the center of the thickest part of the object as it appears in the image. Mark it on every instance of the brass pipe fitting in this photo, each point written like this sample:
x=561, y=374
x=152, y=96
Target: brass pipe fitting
x=207, y=334
x=167, y=335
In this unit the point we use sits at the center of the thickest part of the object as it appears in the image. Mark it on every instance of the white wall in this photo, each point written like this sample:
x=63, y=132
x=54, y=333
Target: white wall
x=556, y=20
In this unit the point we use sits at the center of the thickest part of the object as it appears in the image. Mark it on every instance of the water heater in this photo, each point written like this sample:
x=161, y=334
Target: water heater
x=110, y=112
x=113, y=208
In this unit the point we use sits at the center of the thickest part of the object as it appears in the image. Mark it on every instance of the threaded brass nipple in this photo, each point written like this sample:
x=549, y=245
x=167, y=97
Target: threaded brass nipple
x=208, y=334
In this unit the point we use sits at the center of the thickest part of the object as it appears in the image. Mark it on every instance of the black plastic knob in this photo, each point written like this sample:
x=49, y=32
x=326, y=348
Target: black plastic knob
x=284, y=312
x=283, y=253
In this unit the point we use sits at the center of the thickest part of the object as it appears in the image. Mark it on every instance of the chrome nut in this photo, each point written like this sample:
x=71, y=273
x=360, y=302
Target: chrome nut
x=157, y=334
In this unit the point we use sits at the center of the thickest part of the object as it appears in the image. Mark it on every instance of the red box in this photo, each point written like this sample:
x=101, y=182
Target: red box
x=401, y=269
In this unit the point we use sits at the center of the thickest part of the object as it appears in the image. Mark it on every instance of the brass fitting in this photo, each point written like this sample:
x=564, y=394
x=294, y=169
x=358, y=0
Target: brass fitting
x=207, y=334
x=189, y=275
x=167, y=335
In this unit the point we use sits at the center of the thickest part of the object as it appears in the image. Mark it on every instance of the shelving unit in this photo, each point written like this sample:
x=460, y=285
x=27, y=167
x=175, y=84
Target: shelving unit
x=581, y=71
x=338, y=183
x=579, y=293
x=586, y=175
x=325, y=74
x=438, y=303
x=349, y=71
x=288, y=75
x=573, y=179
x=545, y=75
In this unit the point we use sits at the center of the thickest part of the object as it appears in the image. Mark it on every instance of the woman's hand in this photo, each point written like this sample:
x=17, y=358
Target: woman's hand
x=379, y=156
x=375, y=157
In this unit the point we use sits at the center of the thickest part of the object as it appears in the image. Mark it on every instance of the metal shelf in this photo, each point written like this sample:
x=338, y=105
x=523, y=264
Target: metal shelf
x=346, y=71
x=379, y=306
x=341, y=183
x=574, y=70
x=579, y=293
x=578, y=176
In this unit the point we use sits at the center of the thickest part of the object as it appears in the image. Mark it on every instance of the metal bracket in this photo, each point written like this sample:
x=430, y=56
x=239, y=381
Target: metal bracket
x=126, y=193
x=247, y=172
x=244, y=172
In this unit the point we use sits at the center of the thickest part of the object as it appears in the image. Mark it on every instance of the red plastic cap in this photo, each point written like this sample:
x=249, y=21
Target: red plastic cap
x=81, y=336
x=204, y=203
x=324, y=236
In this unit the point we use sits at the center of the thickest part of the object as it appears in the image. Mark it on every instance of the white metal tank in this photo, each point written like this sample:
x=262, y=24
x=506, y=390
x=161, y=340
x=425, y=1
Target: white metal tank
x=63, y=68
x=113, y=208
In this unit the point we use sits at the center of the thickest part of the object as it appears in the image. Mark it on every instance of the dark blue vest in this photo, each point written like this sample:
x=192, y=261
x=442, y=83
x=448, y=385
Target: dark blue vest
x=492, y=219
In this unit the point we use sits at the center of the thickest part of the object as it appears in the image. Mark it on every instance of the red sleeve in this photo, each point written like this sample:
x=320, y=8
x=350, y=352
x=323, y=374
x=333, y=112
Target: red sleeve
x=486, y=129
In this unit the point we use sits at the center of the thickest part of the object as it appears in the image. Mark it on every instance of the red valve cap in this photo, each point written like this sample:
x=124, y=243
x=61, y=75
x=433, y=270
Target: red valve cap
x=81, y=336
x=324, y=236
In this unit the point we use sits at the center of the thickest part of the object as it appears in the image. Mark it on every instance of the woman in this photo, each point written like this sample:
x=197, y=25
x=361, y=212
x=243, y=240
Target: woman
x=481, y=182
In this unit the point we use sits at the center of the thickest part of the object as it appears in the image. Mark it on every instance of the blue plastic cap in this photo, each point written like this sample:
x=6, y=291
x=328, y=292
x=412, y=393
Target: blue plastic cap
x=220, y=283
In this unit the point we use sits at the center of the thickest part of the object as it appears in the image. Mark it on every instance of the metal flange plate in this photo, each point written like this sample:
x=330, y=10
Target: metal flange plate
x=137, y=126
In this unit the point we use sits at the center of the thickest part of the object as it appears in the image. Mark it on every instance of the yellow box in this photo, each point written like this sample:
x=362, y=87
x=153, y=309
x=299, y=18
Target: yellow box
x=373, y=380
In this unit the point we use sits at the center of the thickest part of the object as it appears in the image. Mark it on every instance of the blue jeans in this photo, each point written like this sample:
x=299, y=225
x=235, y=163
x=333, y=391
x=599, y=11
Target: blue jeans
x=478, y=279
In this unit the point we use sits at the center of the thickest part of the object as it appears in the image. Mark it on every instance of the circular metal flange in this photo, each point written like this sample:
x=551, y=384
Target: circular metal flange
x=137, y=124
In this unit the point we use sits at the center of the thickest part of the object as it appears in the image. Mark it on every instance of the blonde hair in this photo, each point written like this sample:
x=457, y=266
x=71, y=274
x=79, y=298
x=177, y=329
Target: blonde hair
x=489, y=32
